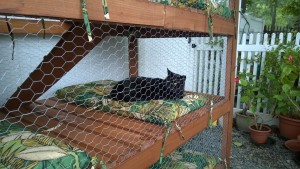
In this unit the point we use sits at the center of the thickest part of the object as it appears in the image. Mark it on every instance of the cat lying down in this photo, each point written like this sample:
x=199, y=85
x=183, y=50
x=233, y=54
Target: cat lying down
x=145, y=88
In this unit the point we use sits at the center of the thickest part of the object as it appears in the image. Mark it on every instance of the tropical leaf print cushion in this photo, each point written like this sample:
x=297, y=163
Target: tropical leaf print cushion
x=95, y=95
x=21, y=148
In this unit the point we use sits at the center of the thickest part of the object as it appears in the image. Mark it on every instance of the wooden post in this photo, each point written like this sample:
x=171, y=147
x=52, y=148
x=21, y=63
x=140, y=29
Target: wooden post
x=228, y=117
x=133, y=55
x=72, y=47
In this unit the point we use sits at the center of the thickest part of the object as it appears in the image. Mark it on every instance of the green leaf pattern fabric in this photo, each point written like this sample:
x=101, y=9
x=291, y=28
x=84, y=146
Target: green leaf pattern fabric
x=95, y=94
x=187, y=159
x=11, y=149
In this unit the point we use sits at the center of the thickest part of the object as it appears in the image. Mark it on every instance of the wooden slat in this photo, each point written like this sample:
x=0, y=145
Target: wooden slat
x=128, y=138
x=33, y=26
x=148, y=130
x=136, y=12
x=114, y=150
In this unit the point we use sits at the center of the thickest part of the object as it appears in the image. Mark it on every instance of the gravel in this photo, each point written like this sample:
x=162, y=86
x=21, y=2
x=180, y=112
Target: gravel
x=272, y=155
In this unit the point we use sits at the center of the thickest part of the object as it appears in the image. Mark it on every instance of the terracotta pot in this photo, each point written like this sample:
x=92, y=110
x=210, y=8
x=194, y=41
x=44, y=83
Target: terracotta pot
x=244, y=121
x=288, y=127
x=293, y=145
x=259, y=136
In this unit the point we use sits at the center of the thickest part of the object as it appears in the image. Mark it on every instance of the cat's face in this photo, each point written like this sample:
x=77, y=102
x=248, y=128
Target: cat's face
x=177, y=82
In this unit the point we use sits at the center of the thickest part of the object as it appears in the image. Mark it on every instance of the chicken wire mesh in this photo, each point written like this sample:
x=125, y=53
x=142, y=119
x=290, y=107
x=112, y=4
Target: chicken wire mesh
x=70, y=103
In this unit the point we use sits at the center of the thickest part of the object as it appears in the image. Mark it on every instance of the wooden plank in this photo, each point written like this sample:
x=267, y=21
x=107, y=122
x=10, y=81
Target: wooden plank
x=192, y=20
x=136, y=12
x=125, y=11
x=34, y=26
x=230, y=89
x=75, y=134
x=88, y=124
x=147, y=130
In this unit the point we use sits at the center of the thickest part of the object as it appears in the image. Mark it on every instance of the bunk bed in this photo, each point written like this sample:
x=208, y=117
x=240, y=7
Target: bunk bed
x=144, y=146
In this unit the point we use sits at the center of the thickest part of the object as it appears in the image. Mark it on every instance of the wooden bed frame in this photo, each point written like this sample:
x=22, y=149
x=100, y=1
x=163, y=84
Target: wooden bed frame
x=52, y=112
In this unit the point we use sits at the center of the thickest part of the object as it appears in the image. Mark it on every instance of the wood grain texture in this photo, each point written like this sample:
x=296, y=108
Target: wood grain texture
x=192, y=20
x=134, y=12
x=20, y=26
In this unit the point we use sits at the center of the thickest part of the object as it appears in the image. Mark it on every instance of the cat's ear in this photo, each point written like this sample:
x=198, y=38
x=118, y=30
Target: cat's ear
x=169, y=72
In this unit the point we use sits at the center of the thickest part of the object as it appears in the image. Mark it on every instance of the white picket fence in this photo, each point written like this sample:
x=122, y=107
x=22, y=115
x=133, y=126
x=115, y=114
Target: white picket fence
x=210, y=65
x=253, y=45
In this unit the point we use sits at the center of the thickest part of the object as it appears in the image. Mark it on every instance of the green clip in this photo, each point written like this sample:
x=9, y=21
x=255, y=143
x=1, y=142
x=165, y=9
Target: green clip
x=164, y=142
x=210, y=113
x=12, y=37
x=105, y=9
x=86, y=20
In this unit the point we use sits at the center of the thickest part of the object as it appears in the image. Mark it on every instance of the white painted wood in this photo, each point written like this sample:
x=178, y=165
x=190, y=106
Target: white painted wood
x=211, y=72
x=223, y=67
x=206, y=62
x=297, y=42
x=242, y=65
x=217, y=73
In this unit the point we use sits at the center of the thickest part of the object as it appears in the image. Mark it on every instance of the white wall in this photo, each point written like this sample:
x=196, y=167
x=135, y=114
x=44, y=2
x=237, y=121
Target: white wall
x=158, y=54
x=109, y=60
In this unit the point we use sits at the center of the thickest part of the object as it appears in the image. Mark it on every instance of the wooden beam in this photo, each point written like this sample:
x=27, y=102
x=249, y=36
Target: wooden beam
x=230, y=87
x=134, y=12
x=72, y=47
x=133, y=56
x=23, y=26
x=192, y=20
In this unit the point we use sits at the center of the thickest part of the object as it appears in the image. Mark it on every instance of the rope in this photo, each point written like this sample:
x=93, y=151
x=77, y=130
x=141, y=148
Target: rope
x=11, y=37
x=164, y=142
x=86, y=20
x=180, y=131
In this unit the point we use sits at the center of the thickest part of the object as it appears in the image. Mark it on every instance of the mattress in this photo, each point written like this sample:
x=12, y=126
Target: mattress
x=22, y=148
x=95, y=95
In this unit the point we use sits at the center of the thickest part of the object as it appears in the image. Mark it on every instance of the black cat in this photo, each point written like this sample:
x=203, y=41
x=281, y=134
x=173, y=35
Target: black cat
x=144, y=88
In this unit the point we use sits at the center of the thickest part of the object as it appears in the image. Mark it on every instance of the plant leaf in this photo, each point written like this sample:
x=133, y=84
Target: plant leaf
x=295, y=92
x=244, y=82
x=286, y=88
x=245, y=98
x=238, y=143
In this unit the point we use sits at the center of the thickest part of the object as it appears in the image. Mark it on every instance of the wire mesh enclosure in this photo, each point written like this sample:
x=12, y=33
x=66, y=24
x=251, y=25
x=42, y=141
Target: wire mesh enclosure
x=124, y=96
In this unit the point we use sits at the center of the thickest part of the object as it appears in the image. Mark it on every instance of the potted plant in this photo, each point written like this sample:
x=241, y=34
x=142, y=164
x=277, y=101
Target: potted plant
x=282, y=89
x=250, y=88
x=259, y=132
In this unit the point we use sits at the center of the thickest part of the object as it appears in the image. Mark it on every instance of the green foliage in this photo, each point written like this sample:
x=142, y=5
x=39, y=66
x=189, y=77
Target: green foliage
x=250, y=89
x=221, y=8
x=286, y=11
x=280, y=80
